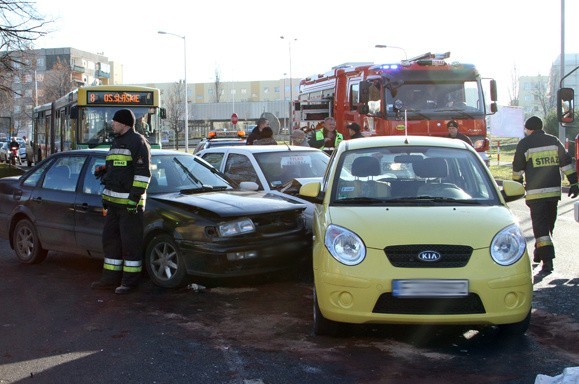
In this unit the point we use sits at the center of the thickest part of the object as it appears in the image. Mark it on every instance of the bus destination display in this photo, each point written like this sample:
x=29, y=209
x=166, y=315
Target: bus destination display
x=126, y=97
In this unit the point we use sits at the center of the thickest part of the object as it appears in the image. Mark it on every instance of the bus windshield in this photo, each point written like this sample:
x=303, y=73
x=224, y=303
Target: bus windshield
x=96, y=124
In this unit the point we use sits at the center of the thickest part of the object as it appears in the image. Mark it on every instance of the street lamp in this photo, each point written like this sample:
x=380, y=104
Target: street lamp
x=289, y=44
x=392, y=46
x=185, y=80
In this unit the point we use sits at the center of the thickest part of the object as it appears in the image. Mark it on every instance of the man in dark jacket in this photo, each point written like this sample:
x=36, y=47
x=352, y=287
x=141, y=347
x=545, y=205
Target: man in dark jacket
x=255, y=134
x=539, y=159
x=126, y=177
x=453, y=132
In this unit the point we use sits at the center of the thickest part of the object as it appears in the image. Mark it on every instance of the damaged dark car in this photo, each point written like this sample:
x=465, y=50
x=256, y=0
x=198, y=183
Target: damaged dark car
x=197, y=223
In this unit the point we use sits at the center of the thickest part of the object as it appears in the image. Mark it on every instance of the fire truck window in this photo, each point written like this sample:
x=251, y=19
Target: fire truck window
x=354, y=96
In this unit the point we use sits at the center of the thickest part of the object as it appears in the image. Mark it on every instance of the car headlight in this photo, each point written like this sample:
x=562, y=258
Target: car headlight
x=234, y=228
x=344, y=245
x=508, y=246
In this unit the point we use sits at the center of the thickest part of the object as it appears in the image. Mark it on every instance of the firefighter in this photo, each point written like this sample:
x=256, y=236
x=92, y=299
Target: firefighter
x=326, y=136
x=125, y=176
x=538, y=160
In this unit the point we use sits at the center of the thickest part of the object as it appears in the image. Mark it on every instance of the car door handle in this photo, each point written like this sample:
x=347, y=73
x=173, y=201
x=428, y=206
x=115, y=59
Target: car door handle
x=37, y=199
x=81, y=207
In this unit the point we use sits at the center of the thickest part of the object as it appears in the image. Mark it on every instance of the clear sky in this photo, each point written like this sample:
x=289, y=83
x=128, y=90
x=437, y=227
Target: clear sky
x=241, y=39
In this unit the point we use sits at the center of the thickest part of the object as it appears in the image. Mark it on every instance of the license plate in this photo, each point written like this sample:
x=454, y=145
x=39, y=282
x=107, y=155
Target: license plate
x=429, y=288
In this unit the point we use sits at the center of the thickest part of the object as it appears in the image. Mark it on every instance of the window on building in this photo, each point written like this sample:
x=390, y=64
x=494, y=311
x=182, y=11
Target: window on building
x=266, y=90
x=276, y=89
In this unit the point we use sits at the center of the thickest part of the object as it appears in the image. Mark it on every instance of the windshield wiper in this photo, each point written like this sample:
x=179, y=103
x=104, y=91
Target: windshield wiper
x=203, y=188
x=434, y=200
x=361, y=200
x=187, y=171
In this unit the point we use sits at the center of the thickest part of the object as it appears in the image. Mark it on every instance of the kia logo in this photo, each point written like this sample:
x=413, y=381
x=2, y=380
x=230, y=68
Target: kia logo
x=429, y=256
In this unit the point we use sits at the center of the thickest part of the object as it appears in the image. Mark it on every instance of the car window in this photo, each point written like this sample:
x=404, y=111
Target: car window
x=63, y=174
x=415, y=172
x=214, y=159
x=239, y=168
x=34, y=177
x=91, y=184
x=281, y=167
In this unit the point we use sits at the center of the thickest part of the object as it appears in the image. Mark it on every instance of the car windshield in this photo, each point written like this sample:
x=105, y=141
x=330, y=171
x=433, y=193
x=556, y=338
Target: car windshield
x=175, y=173
x=281, y=167
x=412, y=175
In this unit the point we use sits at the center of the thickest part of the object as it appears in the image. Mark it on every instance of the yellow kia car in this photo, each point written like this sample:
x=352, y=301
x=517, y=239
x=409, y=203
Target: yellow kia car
x=414, y=230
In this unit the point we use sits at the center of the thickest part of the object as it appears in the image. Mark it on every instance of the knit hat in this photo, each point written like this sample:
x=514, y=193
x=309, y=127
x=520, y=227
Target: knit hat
x=534, y=123
x=125, y=116
x=452, y=123
x=354, y=127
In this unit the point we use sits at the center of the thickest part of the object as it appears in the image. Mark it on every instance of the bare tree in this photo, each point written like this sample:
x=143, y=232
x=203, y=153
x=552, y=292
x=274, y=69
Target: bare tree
x=218, y=85
x=176, y=110
x=514, y=91
x=20, y=26
x=57, y=82
x=540, y=94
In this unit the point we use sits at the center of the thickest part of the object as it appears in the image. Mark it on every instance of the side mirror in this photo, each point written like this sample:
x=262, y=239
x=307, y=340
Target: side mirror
x=163, y=113
x=512, y=190
x=565, y=105
x=493, y=85
x=311, y=192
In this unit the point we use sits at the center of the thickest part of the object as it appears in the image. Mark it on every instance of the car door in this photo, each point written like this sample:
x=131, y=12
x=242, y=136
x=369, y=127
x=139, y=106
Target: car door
x=89, y=218
x=52, y=203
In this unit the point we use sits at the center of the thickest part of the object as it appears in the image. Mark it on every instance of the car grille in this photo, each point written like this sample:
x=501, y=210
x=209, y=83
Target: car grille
x=406, y=256
x=280, y=222
x=429, y=306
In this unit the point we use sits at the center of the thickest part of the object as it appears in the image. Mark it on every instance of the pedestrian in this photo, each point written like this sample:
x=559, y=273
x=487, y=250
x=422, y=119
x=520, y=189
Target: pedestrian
x=255, y=134
x=298, y=137
x=266, y=137
x=125, y=176
x=355, y=131
x=326, y=136
x=453, y=132
x=539, y=159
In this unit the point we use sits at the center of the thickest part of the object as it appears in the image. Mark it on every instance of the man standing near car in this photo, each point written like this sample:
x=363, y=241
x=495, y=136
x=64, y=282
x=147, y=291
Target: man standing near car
x=125, y=176
x=255, y=134
x=541, y=157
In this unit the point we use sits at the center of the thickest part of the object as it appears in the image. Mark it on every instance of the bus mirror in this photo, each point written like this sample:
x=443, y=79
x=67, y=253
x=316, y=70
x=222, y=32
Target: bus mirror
x=493, y=85
x=565, y=105
x=297, y=106
x=163, y=113
x=74, y=112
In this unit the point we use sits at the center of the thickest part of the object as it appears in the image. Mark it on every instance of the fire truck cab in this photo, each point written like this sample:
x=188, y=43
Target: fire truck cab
x=415, y=97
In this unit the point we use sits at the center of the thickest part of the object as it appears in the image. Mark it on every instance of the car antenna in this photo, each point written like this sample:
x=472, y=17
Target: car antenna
x=405, y=127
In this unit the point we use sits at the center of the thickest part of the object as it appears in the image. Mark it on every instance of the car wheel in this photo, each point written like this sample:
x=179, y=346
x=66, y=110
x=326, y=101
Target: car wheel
x=164, y=262
x=515, y=329
x=323, y=326
x=26, y=243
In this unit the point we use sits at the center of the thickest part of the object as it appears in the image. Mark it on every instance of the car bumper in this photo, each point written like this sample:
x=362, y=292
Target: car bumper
x=235, y=260
x=363, y=293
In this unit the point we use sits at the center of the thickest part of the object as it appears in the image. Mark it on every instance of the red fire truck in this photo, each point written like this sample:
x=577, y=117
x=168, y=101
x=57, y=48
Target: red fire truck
x=415, y=97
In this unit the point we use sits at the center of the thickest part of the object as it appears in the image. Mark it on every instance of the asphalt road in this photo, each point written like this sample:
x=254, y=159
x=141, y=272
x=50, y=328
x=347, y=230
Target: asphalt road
x=54, y=329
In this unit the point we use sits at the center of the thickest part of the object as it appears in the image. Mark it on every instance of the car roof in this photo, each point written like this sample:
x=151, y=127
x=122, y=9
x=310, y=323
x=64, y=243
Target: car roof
x=263, y=148
x=398, y=141
x=105, y=150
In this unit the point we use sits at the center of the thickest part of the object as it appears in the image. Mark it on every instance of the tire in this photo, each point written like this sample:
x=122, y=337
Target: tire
x=323, y=326
x=515, y=329
x=26, y=243
x=164, y=262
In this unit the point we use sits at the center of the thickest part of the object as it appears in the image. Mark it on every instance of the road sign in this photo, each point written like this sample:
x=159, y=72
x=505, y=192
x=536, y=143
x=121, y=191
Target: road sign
x=234, y=118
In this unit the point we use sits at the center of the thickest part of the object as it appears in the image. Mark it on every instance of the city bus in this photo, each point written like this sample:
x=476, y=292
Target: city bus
x=83, y=118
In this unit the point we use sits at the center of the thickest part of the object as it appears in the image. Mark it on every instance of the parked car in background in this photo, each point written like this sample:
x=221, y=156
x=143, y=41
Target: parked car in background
x=4, y=151
x=221, y=138
x=196, y=223
x=278, y=170
x=414, y=230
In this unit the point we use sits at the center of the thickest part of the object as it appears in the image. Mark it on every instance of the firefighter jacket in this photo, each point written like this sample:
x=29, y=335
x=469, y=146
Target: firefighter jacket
x=127, y=171
x=539, y=157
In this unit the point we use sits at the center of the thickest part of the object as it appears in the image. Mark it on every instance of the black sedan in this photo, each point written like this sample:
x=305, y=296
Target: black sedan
x=196, y=222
